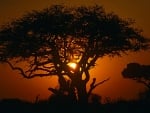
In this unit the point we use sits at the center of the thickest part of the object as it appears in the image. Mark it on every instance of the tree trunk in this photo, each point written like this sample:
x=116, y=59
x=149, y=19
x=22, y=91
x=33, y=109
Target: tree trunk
x=82, y=93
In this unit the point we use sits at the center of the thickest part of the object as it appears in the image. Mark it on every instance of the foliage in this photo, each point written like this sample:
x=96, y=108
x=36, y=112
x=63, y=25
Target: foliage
x=57, y=35
x=138, y=72
x=51, y=38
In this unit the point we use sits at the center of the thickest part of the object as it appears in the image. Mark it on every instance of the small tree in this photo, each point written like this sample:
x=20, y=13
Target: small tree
x=66, y=42
x=140, y=73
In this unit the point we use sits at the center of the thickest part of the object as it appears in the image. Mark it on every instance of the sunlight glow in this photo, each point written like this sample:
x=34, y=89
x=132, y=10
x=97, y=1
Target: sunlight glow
x=72, y=65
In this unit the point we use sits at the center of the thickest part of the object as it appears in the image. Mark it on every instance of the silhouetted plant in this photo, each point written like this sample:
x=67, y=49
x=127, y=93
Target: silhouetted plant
x=48, y=40
x=140, y=73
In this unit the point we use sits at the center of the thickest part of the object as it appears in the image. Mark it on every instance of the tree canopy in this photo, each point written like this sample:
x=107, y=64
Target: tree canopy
x=49, y=39
x=138, y=72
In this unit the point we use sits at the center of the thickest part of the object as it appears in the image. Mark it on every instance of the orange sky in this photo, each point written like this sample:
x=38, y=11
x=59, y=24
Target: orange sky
x=12, y=85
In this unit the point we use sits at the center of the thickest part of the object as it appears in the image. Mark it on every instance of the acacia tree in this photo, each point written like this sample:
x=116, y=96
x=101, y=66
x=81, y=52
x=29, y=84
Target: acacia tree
x=140, y=73
x=48, y=40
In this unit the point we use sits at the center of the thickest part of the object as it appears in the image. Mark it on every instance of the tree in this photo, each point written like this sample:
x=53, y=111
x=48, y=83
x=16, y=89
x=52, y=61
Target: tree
x=50, y=39
x=140, y=73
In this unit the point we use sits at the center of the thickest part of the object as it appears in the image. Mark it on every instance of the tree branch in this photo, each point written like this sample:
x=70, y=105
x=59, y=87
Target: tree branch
x=55, y=91
x=17, y=68
x=145, y=83
x=87, y=75
x=92, y=62
x=93, y=85
x=28, y=76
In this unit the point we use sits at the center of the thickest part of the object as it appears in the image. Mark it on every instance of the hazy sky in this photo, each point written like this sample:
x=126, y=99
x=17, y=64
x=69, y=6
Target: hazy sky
x=12, y=85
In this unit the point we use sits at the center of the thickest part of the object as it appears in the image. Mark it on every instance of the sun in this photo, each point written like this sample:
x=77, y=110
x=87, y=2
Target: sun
x=72, y=65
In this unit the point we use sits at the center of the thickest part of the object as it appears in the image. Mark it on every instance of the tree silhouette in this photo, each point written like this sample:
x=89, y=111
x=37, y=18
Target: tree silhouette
x=140, y=73
x=48, y=40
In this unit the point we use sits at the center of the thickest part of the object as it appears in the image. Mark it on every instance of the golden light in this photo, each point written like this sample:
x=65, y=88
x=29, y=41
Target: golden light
x=72, y=65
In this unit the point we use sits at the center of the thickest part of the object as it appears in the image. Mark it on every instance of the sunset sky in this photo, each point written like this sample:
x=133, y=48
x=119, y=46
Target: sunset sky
x=13, y=85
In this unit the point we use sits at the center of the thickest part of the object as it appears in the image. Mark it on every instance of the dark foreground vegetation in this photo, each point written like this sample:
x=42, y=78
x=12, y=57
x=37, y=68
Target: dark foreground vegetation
x=61, y=104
